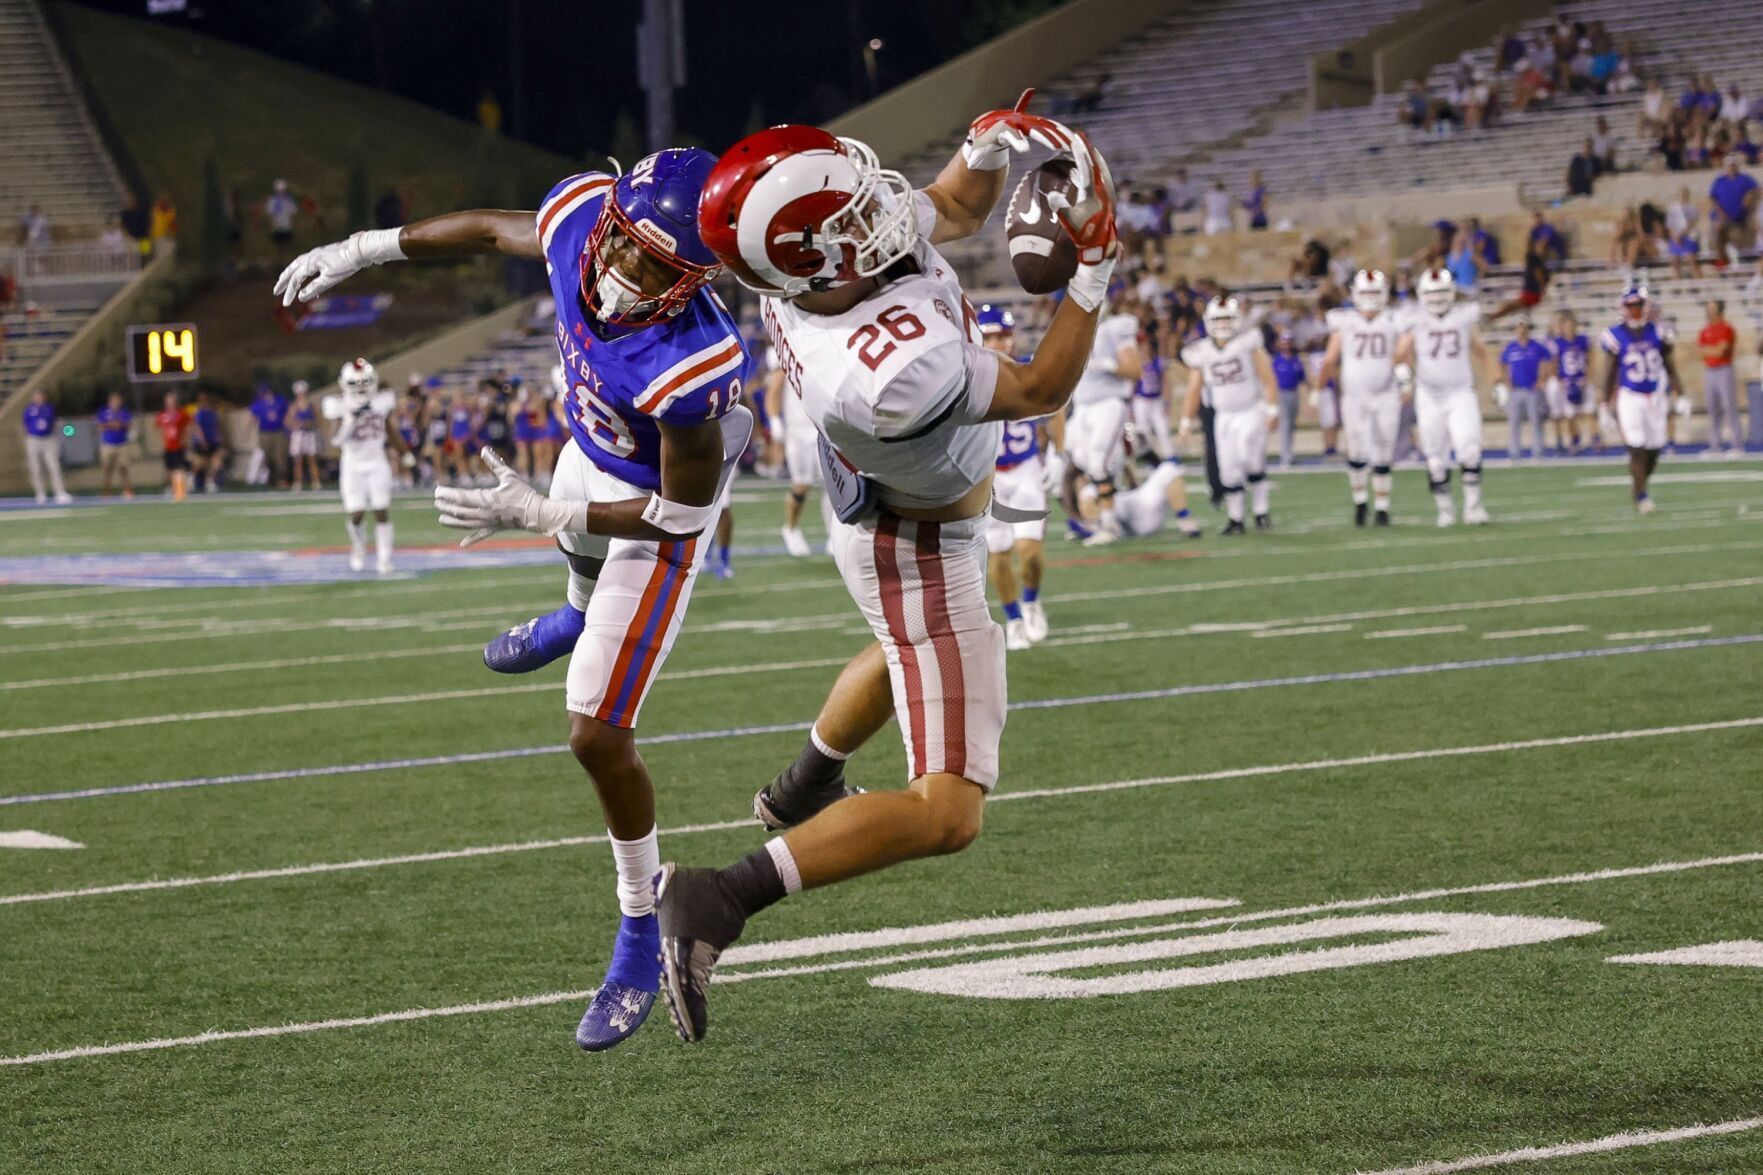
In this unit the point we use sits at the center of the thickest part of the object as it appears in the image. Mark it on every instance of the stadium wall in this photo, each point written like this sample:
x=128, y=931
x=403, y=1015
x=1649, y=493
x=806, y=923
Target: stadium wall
x=927, y=108
x=98, y=343
x=1377, y=63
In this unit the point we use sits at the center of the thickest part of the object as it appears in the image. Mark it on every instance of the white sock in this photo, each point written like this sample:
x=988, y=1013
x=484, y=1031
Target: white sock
x=825, y=747
x=382, y=541
x=1380, y=490
x=638, y=862
x=1259, y=490
x=786, y=864
x=357, y=536
x=1471, y=491
x=1233, y=505
x=1356, y=480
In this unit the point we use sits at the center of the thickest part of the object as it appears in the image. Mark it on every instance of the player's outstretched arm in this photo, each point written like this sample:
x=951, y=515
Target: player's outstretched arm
x=969, y=187
x=456, y=234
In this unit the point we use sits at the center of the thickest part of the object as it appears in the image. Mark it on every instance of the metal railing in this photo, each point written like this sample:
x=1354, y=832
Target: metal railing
x=81, y=262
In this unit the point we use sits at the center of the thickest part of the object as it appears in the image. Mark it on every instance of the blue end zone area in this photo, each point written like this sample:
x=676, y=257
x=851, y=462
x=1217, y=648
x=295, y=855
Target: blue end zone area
x=253, y=568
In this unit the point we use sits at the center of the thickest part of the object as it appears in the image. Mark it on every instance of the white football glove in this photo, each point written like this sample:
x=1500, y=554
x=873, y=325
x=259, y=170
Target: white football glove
x=1272, y=412
x=1404, y=378
x=1053, y=471
x=1680, y=404
x=1607, y=424
x=1502, y=394
x=512, y=504
x=320, y=269
x=1186, y=428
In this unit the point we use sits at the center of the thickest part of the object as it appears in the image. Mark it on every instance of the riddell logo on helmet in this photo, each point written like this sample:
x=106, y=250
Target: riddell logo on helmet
x=653, y=233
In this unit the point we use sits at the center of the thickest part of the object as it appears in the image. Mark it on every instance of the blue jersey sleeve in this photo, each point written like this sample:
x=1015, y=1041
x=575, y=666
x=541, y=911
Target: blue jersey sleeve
x=703, y=384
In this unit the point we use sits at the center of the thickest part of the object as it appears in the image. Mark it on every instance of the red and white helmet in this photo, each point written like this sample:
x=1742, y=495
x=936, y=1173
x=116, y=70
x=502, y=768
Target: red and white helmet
x=1437, y=290
x=796, y=208
x=1371, y=291
x=358, y=381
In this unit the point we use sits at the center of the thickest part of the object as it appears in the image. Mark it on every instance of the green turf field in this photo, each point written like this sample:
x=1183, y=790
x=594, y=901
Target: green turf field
x=1272, y=965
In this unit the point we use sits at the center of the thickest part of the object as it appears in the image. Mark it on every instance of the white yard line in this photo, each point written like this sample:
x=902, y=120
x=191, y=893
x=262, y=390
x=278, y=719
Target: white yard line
x=1302, y=630
x=904, y=935
x=1518, y=633
x=1435, y=630
x=1627, y=1140
x=1651, y=633
x=1233, y=773
x=237, y=666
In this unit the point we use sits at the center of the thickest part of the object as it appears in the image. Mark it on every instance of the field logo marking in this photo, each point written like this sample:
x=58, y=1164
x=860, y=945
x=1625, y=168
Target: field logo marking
x=1039, y=975
x=25, y=838
x=1741, y=952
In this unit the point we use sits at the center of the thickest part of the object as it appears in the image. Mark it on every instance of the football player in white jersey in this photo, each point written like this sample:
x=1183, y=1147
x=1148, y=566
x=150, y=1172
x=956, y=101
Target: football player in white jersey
x=1441, y=340
x=801, y=456
x=360, y=409
x=1231, y=370
x=878, y=340
x=1149, y=506
x=1362, y=355
x=1095, y=436
x=1027, y=465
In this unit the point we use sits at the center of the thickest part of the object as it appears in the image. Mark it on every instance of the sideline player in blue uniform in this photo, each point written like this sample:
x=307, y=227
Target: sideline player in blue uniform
x=1567, y=407
x=1527, y=362
x=654, y=365
x=1637, y=382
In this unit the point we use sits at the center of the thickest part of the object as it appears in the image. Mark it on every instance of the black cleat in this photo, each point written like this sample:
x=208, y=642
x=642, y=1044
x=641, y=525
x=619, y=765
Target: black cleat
x=1359, y=509
x=1263, y=522
x=1383, y=518
x=699, y=920
x=1234, y=526
x=782, y=804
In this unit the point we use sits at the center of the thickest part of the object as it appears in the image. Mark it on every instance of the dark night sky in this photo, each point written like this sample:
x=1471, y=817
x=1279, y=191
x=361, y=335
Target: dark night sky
x=796, y=59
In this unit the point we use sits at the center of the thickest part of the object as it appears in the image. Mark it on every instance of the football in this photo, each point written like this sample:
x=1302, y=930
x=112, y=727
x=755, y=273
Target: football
x=1041, y=251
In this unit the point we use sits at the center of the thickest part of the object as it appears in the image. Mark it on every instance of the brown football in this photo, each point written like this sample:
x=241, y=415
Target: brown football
x=1041, y=251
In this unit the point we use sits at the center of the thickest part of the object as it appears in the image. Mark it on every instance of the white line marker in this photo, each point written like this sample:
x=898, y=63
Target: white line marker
x=236, y=666
x=1651, y=633
x=1515, y=633
x=1742, y=952
x=26, y=838
x=1610, y=1142
x=559, y=997
x=1302, y=630
x=1004, y=797
x=1384, y=634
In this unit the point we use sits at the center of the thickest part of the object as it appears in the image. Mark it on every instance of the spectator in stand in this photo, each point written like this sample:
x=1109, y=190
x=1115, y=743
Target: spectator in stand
x=1509, y=49
x=34, y=230
x=1478, y=101
x=1529, y=86
x=1717, y=343
x=207, y=444
x=1582, y=171
x=1605, y=61
x=303, y=438
x=1255, y=203
x=1417, y=108
x=1674, y=140
x=1604, y=143
x=115, y=425
x=1534, y=285
x=1134, y=220
x=1683, y=237
x=1464, y=265
x=1733, y=108
x=113, y=239
x=270, y=412
x=279, y=211
x=1485, y=244
x=1732, y=211
x=1743, y=147
x=174, y=429
x=8, y=292
x=1311, y=264
x=1181, y=193
x=1636, y=242
x=1217, y=210
x=1579, y=68
x=163, y=221
x=42, y=449
x=1625, y=80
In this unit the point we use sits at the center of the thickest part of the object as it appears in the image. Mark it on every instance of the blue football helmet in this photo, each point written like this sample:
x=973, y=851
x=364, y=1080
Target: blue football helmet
x=1635, y=302
x=995, y=320
x=648, y=227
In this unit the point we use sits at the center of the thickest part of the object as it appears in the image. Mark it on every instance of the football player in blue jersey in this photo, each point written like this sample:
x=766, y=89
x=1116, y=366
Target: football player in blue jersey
x=1569, y=407
x=654, y=366
x=1639, y=376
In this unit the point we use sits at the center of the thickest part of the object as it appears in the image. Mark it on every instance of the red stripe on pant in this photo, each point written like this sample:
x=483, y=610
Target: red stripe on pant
x=678, y=555
x=893, y=602
x=630, y=649
x=947, y=648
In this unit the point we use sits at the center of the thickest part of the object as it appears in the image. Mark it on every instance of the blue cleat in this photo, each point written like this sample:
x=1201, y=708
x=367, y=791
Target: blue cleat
x=537, y=643
x=621, y=1005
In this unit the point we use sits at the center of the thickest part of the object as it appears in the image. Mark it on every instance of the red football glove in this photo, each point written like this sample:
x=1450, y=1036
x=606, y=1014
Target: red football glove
x=1090, y=218
x=997, y=133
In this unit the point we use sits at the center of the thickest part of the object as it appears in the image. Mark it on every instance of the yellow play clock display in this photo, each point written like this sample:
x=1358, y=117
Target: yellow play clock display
x=163, y=352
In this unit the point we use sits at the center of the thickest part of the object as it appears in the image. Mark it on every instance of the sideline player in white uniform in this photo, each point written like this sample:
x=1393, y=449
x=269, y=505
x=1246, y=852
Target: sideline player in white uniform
x=1362, y=353
x=801, y=451
x=363, y=473
x=1230, y=368
x=1095, y=436
x=877, y=338
x=1027, y=465
x=1149, y=506
x=1441, y=340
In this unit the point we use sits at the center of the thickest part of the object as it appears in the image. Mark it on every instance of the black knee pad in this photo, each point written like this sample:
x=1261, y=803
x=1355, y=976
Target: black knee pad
x=586, y=566
x=1255, y=478
x=1472, y=475
x=1351, y=464
x=798, y=496
x=1439, y=485
x=1232, y=489
x=1381, y=470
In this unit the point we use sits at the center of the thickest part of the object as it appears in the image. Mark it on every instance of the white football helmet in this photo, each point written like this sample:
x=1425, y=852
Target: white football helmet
x=559, y=382
x=1437, y=290
x=1223, y=317
x=358, y=382
x=1371, y=291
